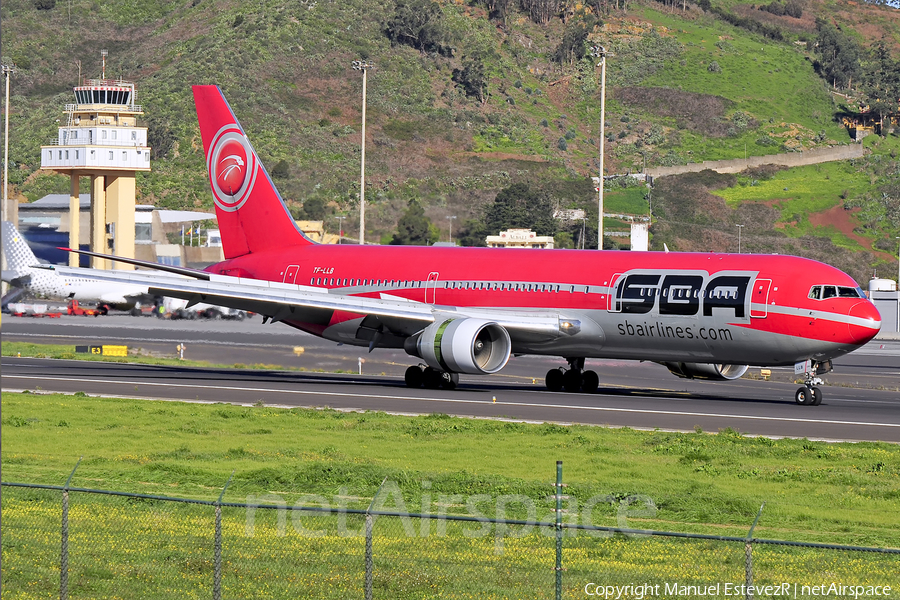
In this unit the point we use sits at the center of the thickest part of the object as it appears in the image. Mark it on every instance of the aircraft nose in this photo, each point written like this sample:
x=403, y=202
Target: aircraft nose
x=865, y=322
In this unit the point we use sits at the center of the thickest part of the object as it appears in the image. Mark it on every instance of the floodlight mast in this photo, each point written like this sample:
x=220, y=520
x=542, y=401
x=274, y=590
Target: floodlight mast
x=450, y=220
x=361, y=65
x=8, y=70
x=740, y=229
x=601, y=53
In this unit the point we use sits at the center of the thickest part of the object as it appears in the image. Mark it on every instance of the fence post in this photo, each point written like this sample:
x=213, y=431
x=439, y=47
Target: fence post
x=559, y=531
x=370, y=563
x=217, y=552
x=748, y=556
x=64, y=543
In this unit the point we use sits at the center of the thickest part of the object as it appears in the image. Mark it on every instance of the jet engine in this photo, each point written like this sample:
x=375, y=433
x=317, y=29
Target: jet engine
x=711, y=371
x=472, y=346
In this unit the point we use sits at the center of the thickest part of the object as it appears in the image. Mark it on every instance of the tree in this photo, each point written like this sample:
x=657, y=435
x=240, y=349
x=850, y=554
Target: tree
x=413, y=228
x=420, y=24
x=541, y=11
x=471, y=78
x=281, y=170
x=315, y=208
x=160, y=137
x=572, y=46
x=881, y=82
x=839, y=55
x=518, y=206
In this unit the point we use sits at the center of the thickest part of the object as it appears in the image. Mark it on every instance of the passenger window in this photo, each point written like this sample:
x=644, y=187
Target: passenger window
x=828, y=291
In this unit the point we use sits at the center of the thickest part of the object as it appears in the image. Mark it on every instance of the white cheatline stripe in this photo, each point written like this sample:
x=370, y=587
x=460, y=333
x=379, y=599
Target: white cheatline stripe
x=460, y=401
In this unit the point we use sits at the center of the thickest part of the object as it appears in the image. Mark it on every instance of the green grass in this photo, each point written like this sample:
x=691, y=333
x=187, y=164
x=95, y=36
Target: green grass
x=802, y=191
x=769, y=80
x=629, y=201
x=844, y=493
x=135, y=355
x=147, y=549
x=824, y=492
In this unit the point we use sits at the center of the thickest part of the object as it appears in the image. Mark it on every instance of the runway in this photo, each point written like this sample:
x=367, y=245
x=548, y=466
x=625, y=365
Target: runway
x=638, y=395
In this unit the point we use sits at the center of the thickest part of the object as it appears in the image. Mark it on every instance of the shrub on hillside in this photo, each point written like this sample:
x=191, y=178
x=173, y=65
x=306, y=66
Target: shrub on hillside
x=701, y=113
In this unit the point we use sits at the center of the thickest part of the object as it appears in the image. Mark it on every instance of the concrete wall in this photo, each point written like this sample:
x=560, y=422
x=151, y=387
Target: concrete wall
x=791, y=159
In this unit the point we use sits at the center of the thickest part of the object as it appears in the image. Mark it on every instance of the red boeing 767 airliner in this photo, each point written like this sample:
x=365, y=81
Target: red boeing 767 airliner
x=466, y=310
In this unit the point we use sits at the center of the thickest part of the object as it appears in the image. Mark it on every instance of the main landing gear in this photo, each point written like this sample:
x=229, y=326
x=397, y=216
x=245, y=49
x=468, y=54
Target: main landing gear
x=419, y=375
x=810, y=394
x=575, y=379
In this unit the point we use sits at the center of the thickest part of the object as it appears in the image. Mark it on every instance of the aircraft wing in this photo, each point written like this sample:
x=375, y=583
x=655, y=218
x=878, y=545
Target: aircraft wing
x=290, y=302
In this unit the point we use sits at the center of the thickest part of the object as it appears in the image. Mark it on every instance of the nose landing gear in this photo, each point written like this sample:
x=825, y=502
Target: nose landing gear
x=810, y=394
x=574, y=379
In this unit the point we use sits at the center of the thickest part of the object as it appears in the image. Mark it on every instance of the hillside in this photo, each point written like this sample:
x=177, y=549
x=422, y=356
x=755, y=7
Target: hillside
x=682, y=85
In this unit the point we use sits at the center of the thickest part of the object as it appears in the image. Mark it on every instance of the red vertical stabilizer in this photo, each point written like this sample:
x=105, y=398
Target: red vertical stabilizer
x=251, y=213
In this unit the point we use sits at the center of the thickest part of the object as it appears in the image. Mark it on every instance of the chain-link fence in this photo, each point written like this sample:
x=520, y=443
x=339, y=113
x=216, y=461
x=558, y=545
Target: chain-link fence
x=80, y=543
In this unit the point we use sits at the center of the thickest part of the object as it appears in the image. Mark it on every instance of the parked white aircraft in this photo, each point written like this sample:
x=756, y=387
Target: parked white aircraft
x=28, y=273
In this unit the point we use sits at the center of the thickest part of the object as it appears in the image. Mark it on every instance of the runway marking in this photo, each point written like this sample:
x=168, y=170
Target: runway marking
x=174, y=340
x=461, y=401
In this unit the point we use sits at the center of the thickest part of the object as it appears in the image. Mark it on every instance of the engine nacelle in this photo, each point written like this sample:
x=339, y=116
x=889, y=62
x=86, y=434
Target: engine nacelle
x=472, y=346
x=711, y=371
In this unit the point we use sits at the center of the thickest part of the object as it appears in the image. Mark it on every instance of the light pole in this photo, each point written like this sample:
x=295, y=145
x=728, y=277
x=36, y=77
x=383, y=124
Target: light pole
x=7, y=71
x=600, y=52
x=361, y=65
x=740, y=229
x=450, y=220
x=340, y=221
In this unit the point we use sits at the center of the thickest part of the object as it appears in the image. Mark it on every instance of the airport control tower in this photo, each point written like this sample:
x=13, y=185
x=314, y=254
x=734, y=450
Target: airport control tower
x=101, y=140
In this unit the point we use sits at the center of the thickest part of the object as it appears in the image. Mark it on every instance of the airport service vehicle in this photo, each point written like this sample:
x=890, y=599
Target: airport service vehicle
x=43, y=281
x=74, y=308
x=467, y=310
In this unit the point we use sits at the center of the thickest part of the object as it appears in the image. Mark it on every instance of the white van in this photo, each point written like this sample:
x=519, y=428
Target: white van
x=213, y=238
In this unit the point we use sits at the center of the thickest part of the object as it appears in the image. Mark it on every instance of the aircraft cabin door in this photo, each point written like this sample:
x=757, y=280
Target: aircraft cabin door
x=612, y=305
x=431, y=288
x=290, y=274
x=759, y=300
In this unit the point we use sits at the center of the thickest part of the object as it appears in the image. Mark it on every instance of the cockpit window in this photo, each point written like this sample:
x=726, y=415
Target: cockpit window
x=823, y=292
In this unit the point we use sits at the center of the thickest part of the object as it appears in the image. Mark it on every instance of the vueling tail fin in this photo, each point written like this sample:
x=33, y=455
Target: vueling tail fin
x=251, y=213
x=19, y=256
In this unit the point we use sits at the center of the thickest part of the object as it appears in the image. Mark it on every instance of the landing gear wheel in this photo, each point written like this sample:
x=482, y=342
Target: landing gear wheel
x=590, y=381
x=572, y=380
x=414, y=376
x=432, y=378
x=816, y=396
x=449, y=381
x=554, y=380
x=803, y=396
